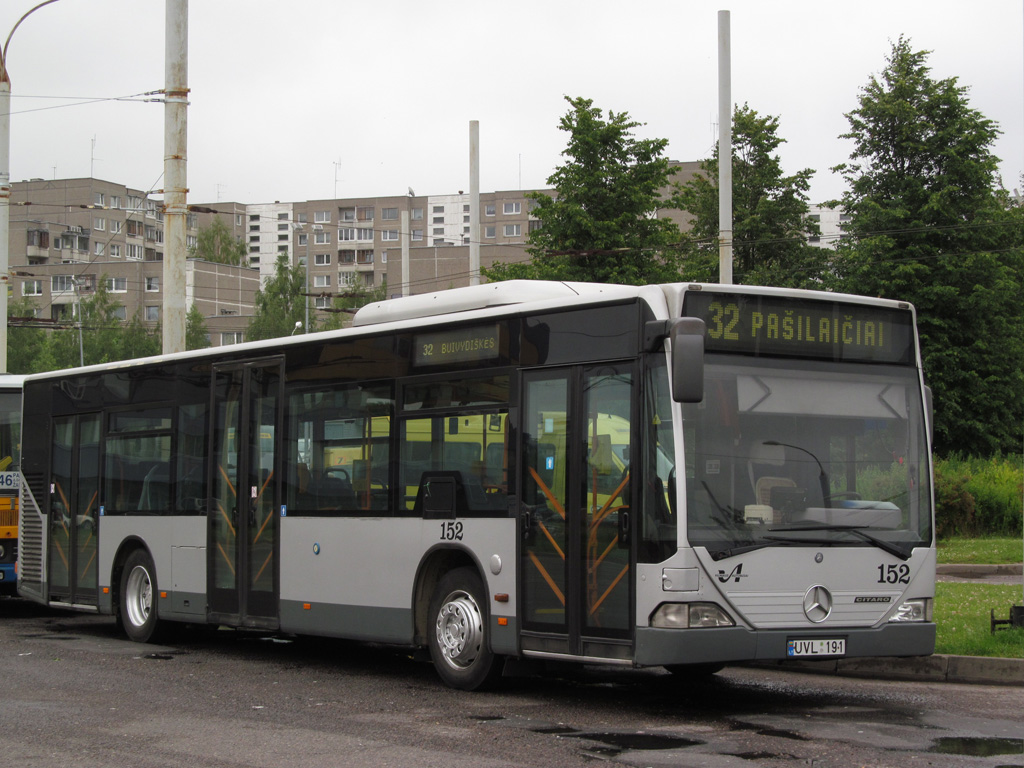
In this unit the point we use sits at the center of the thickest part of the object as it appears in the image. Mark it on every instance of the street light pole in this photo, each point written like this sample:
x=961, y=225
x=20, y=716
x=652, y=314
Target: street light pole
x=5, y=185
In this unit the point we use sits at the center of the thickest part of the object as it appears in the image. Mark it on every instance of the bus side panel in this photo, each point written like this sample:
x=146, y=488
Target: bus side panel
x=31, y=547
x=355, y=577
x=154, y=533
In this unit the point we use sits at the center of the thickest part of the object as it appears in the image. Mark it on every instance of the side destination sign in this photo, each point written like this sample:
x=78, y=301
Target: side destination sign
x=466, y=345
x=791, y=327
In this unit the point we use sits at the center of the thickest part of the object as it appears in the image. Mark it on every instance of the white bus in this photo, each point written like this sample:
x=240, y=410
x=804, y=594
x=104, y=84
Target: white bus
x=669, y=475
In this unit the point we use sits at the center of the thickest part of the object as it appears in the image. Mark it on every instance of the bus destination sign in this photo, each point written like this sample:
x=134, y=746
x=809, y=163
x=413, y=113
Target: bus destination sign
x=791, y=327
x=465, y=345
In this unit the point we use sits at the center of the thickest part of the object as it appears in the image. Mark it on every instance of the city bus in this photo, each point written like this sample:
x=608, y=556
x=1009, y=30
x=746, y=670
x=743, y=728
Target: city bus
x=676, y=476
x=10, y=478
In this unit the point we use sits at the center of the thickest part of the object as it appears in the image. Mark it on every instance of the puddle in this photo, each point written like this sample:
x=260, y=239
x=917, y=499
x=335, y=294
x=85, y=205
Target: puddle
x=486, y=718
x=978, y=747
x=617, y=743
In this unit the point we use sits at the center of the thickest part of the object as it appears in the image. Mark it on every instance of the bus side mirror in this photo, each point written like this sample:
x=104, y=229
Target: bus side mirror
x=687, y=337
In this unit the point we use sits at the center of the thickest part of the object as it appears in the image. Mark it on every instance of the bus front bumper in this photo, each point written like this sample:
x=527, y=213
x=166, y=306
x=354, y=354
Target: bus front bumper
x=656, y=647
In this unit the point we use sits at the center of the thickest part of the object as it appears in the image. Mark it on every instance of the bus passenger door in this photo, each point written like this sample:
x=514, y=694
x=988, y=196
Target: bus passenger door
x=242, y=573
x=74, y=509
x=575, y=513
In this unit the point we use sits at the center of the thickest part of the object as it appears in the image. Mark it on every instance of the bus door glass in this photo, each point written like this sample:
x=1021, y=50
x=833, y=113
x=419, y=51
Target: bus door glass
x=575, y=517
x=74, y=509
x=242, y=574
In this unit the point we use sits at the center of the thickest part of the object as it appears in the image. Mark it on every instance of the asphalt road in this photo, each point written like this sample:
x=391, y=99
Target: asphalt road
x=75, y=693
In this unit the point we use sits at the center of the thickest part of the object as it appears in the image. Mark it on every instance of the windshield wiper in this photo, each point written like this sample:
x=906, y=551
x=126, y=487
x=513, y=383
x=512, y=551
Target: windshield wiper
x=856, y=530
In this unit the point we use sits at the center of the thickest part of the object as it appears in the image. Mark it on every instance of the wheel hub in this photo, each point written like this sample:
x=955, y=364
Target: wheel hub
x=459, y=630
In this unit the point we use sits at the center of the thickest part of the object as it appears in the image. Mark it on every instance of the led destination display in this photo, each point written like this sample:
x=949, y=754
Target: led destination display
x=466, y=345
x=770, y=325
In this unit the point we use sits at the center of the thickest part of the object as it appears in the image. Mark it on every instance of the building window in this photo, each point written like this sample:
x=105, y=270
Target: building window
x=239, y=219
x=321, y=281
x=100, y=249
x=364, y=213
x=321, y=238
x=283, y=238
x=347, y=234
x=282, y=249
x=417, y=214
x=116, y=227
x=438, y=220
x=438, y=209
x=322, y=259
x=282, y=227
x=347, y=214
x=323, y=302
x=282, y=217
x=152, y=313
x=117, y=284
x=120, y=313
x=417, y=234
x=231, y=337
x=489, y=209
x=389, y=234
x=304, y=238
x=513, y=230
x=152, y=284
x=364, y=257
x=438, y=230
x=364, y=233
x=134, y=251
x=254, y=217
x=32, y=288
x=489, y=231
x=99, y=224
x=61, y=283
x=389, y=214
x=322, y=217
x=510, y=209
x=115, y=201
x=98, y=199
x=346, y=278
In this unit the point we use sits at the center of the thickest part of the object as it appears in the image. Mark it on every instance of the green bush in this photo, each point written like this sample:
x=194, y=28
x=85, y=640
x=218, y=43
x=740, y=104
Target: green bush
x=979, y=496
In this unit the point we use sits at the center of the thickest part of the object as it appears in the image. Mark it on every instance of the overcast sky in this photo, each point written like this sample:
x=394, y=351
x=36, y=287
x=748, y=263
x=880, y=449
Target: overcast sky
x=313, y=99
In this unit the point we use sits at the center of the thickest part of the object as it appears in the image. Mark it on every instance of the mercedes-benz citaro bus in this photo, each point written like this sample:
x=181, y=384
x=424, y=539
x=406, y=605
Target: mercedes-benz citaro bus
x=670, y=475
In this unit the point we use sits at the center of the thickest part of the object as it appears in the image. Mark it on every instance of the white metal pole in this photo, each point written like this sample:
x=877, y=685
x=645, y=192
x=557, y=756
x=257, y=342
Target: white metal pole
x=175, y=180
x=5, y=208
x=474, y=202
x=405, y=234
x=724, y=150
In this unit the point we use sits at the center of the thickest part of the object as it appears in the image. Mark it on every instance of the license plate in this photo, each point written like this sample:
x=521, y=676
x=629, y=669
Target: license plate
x=820, y=647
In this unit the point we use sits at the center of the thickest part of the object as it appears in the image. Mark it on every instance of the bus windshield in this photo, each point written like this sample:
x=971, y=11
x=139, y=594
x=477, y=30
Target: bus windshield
x=784, y=453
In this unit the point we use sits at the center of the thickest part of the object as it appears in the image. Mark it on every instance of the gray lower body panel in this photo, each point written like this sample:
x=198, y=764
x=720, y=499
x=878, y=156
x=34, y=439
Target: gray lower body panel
x=656, y=647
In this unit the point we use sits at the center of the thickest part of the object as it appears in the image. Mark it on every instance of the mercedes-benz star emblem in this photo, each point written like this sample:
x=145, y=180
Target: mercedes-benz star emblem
x=817, y=604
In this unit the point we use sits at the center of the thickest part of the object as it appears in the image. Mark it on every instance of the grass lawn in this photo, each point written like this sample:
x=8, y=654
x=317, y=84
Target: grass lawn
x=972, y=551
x=962, y=619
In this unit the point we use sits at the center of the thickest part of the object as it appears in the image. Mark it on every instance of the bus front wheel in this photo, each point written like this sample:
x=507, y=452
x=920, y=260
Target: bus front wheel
x=137, y=610
x=458, y=632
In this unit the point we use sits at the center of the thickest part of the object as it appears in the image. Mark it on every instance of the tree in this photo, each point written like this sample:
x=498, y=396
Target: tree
x=197, y=334
x=216, y=243
x=280, y=304
x=930, y=225
x=25, y=344
x=771, y=225
x=601, y=223
x=345, y=304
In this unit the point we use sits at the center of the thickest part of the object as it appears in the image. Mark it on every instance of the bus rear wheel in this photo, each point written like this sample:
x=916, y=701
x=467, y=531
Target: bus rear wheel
x=137, y=609
x=457, y=635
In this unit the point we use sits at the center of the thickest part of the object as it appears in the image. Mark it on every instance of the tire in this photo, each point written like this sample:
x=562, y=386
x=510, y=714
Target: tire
x=138, y=601
x=457, y=636
x=694, y=671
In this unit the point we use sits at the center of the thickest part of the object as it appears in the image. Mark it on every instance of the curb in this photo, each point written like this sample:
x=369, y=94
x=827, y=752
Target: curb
x=978, y=571
x=974, y=670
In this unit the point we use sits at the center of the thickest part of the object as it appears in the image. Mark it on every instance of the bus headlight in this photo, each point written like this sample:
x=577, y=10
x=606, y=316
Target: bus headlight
x=913, y=610
x=690, y=616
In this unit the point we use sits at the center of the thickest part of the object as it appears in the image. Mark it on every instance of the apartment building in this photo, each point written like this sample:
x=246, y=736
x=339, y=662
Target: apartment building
x=67, y=235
